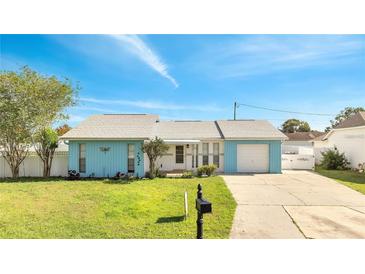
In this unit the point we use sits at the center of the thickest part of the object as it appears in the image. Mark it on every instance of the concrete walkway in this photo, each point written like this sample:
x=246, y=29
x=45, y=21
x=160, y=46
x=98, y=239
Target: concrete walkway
x=295, y=204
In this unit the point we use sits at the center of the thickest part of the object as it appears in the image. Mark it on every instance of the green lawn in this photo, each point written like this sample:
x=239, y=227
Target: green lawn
x=349, y=178
x=34, y=208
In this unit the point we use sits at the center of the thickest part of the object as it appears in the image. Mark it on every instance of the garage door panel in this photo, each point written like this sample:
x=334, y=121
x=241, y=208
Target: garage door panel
x=253, y=158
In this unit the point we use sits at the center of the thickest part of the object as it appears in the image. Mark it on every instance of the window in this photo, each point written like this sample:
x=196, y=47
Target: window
x=179, y=154
x=82, y=158
x=205, y=153
x=130, y=158
x=194, y=156
x=216, y=154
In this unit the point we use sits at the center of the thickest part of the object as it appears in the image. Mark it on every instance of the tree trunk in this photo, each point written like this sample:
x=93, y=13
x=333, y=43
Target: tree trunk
x=152, y=169
x=45, y=169
x=15, y=171
x=46, y=155
x=47, y=165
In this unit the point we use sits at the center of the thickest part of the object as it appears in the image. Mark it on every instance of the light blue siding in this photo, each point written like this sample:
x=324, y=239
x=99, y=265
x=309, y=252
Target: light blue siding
x=106, y=163
x=230, y=154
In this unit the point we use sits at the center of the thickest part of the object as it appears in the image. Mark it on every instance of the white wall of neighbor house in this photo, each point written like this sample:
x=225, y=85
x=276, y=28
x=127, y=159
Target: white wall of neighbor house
x=32, y=166
x=318, y=148
x=168, y=161
x=351, y=141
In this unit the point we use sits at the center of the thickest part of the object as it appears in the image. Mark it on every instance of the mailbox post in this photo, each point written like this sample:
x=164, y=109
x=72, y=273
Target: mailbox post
x=202, y=206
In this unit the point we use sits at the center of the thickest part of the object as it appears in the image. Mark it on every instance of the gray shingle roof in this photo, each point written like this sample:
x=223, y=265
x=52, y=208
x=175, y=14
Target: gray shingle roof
x=118, y=126
x=144, y=126
x=249, y=129
x=304, y=136
x=194, y=130
x=355, y=120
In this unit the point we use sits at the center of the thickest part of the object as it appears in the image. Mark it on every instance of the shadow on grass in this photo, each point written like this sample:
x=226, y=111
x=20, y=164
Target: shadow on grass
x=172, y=219
x=31, y=179
x=118, y=182
x=47, y=180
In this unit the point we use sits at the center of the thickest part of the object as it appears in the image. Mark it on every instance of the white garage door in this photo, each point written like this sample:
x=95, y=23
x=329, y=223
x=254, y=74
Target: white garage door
x=253, y=158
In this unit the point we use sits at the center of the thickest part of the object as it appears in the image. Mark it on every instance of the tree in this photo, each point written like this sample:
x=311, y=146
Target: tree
x=45, y=145
x=343, y=115
x=29, y=103
x=14, y=127
x=295, y=125
x=154, y=149
x=63, y=129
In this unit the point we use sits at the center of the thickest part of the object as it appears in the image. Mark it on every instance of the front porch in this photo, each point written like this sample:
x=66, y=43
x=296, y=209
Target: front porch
x=188, y=155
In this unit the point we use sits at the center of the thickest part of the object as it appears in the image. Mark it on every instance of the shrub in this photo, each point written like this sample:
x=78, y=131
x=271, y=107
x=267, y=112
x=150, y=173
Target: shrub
x=201, y=170
x=206, y=170
x=333, y=159
x=187, y=174
x=157, y=173
x=361, y=167
x=211, y=170
x=160, y=174
x=147, y=174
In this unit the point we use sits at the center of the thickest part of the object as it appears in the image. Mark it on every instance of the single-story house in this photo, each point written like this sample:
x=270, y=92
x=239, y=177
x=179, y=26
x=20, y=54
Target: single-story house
x=103, y=145
x=348, y=137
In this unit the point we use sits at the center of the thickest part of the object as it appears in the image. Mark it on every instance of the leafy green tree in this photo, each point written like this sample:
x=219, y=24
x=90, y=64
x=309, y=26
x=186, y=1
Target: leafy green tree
x=154, y=149
x=46, y=142
x=29, y=103
x=343, y=115
x=295, y=125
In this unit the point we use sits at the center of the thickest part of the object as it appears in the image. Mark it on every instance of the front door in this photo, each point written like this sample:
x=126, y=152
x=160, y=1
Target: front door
x=179, y=157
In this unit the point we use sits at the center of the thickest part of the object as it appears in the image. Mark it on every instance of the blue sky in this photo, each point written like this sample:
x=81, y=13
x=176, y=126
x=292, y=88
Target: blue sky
x=200, y=76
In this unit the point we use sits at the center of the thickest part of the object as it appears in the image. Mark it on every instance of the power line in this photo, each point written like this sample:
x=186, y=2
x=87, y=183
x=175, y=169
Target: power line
x=237, y=105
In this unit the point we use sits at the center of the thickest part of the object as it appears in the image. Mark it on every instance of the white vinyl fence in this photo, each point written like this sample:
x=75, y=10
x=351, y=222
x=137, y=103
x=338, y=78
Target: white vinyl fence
x=32, y=166
x=297, y=161
x=297, y=157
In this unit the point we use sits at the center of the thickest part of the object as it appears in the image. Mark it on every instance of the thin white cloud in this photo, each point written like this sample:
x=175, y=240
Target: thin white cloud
x=150, y=105
x=257, y=55
x=139, y=48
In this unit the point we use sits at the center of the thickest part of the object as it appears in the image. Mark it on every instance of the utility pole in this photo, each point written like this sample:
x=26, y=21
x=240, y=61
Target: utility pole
x=234, y=110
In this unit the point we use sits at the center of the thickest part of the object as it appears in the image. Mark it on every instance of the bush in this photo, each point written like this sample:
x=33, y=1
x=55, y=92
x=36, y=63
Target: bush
x=333, y=159
x=160, y=174
x=187, y=174
x=211, y=170
x=206, y=170
x=201, y=170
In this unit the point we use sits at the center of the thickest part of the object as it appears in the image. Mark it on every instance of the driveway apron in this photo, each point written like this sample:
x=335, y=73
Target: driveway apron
x=295, y=204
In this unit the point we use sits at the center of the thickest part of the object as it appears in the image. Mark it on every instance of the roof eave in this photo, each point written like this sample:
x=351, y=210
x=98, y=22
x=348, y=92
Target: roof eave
x=256, y=138
x=101, y=138
x=339, y=129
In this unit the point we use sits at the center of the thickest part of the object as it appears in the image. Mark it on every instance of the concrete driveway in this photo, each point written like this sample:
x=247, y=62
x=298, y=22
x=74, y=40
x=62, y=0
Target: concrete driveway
x=295, y=204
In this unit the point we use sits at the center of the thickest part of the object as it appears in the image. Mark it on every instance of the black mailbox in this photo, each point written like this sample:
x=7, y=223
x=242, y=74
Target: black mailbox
x=203, y=206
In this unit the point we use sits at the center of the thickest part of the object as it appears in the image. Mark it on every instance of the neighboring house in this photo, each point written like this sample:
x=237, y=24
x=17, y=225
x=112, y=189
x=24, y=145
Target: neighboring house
x=299, y=141
x=298, y=150
x=32, y=165
x=102, y=145
x=347, y=137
